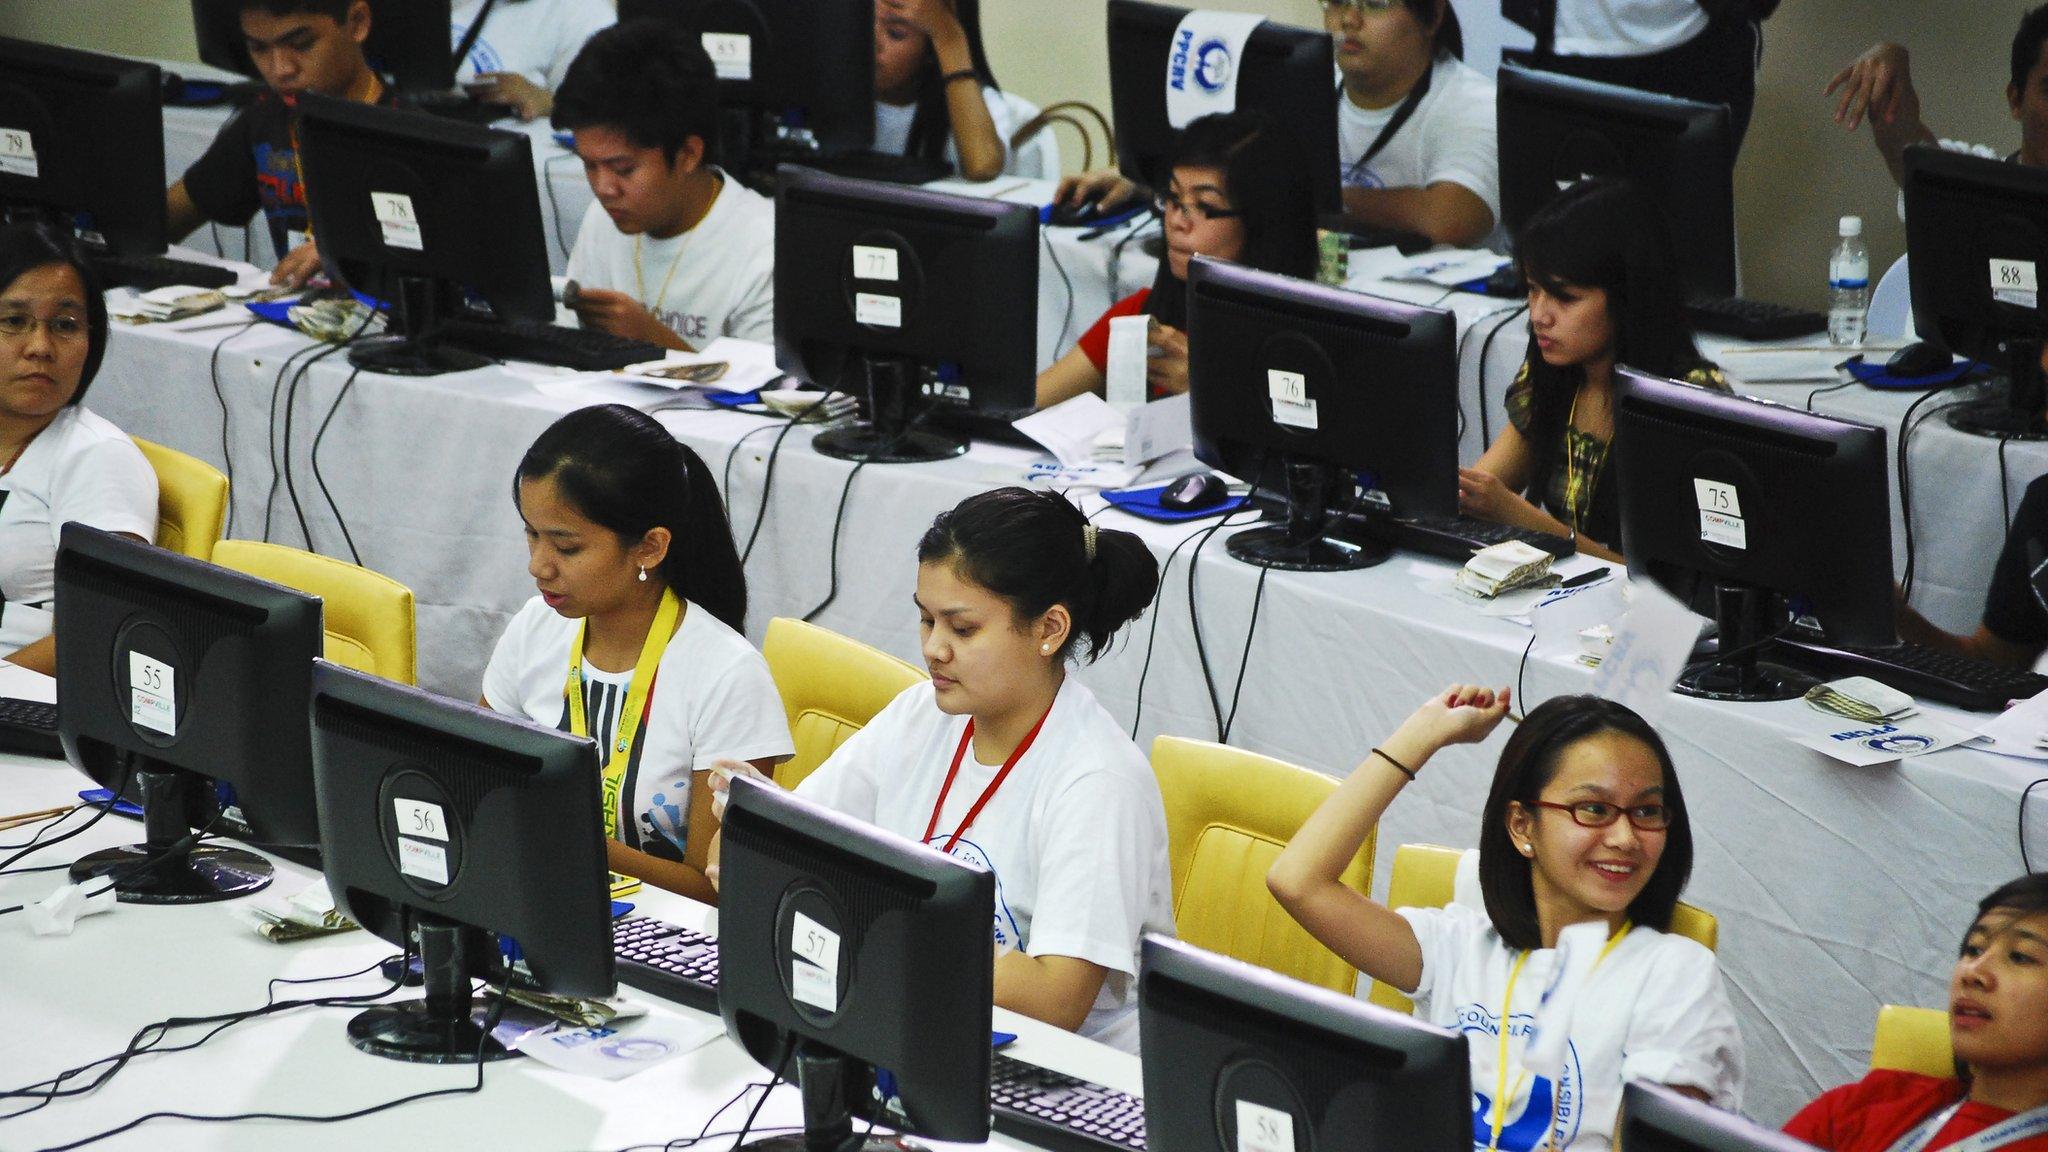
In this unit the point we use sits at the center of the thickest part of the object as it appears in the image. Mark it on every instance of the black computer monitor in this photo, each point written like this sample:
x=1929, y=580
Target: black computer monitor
x=410, y=44
x=923, y=304
x=1289, y=73
x=1557, y=130
x=82, y=145
x=1775, y=512
x=1656, y=1119
x=1977, y=235
x=1335, y=400
x=184, y=688
x=1228, y=1045
x=860, y=959
x=471, y=839
x=428, y=215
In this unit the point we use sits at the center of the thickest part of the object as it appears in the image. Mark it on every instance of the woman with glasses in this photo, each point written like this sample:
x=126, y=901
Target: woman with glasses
x=1585, y=822
x=1237, y=192
x=58, y=462
x=1415, y=125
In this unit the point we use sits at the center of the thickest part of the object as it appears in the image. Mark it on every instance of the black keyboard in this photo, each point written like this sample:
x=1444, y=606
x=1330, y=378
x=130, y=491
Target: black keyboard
x=1458, y=537
x=886, y=167
x=1061, y=1112
x=998, y=425
x=148, y=273
x=1751, y=319
x=29, y=727
x=455, y=104
x=1929, y=673
x=583, y=349
x=668, y=961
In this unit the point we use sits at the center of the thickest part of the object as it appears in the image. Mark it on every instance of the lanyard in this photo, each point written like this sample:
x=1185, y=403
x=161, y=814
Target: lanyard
x=987, y=793
x=1499, y=1116
x=1394, y=122
x=639, y=698
x=2008, y=1131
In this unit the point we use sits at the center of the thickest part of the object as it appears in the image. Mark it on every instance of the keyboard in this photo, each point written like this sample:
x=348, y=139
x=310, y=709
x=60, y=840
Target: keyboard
x=1929, y=673
x=1037, y=1105
x=1458, y=537
x=993, y=424
x=455, y=104
x=583, y=349
x=29, y=727
x=1751, y=319
x=148, y=273
x=886, y=167
x=1063, y=1113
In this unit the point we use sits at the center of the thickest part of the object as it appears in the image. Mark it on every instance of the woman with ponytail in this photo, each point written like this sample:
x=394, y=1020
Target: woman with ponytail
x=1006, y=761
x=634, y=639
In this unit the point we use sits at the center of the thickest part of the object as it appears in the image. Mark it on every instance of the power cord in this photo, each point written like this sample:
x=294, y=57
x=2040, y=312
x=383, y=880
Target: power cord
x=768, y=477
x=37, y=843
x=1152, y=633
x=731, y=454
x=2025, y=864
x=320, y=480
x=1485, y=357
x=1067, y=317
x=1244, y=659
x=291, y=405
x=1906, y=429
x=838, y=522
x=227, y=457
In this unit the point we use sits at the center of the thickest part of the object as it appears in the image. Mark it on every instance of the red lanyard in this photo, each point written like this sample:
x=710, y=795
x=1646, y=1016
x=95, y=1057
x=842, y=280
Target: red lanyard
x=953, y=772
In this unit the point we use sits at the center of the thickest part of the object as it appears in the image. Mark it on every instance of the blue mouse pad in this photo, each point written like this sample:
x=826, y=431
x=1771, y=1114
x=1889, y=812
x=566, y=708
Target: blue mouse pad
x=735, y=399
x=1875, y=375
x=1144, y=503
x=621, y=909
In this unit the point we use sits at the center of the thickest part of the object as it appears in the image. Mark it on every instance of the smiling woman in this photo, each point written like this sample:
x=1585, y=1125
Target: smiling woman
x=58, y=461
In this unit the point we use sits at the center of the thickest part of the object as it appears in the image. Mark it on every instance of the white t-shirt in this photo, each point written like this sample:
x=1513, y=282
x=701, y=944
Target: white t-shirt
x=535, y=38
x=1076, y=836
x=79, y=468
x=892, y=128
x=1452, y=136
x=1654, y=1010
x=724, y=268
x=1625, y=27
x=712, y=700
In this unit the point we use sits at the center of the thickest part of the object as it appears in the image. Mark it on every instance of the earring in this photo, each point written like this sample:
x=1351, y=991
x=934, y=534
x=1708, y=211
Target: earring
x=1524, y=846
x=643, y=574
x=1045, y=649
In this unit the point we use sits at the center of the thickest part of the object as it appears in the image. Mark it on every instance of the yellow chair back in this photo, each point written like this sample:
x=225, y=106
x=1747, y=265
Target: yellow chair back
x=1228, y=815
x=831, y=686
x=368, y=616
x=1913, y=1040
x=191, y=500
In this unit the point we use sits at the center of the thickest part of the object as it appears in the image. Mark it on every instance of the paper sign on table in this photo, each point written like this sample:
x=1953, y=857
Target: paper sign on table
x=1866, y=744
x=1651, y=646
x=2018, y=730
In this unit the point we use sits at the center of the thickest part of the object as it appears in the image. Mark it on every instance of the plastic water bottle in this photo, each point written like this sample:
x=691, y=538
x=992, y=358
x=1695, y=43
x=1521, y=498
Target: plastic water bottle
x=1848, y=284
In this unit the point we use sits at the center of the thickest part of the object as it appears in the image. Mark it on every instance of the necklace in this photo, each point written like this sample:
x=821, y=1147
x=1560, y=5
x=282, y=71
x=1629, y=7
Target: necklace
x=1573, y=506
x=640, y=279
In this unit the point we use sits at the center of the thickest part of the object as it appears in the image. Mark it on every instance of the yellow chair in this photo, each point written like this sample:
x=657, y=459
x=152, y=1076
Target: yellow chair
x=191, y=500
x=368, y=616
x=831, y=686
x=1425, y=876
x=1228, y=814
x=1913, y=1040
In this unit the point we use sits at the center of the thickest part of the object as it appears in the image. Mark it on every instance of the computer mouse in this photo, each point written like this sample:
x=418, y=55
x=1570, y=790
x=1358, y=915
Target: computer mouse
x=1194, y=492
x=1921, y=359
x=1078, y=214
x=1506, y=281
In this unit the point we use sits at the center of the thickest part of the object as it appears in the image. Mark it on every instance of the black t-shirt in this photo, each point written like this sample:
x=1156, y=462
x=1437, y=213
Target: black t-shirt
x=254, y=164
x=2015, y=609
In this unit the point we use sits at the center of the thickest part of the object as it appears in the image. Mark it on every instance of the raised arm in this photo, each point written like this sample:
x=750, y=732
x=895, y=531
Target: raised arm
x=1878, y=86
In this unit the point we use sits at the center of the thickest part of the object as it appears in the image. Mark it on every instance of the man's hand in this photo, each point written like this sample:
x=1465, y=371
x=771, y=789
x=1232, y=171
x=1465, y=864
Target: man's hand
x=298, y=266
x=529, y=101
x=1879, y=84
x=621, y=315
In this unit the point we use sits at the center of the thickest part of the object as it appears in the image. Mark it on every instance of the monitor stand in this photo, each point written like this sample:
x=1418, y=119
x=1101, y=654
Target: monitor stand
x=440, y=1028
x=890, y=434
x=1748, y=618
x=2019, y=413
x=823, y=1077
x=1306, y=543
x=414, y=349
x=159, y=871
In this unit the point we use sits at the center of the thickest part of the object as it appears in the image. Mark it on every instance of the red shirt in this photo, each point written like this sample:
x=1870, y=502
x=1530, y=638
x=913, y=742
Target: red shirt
x=1873, y=1113
x=1095, y=342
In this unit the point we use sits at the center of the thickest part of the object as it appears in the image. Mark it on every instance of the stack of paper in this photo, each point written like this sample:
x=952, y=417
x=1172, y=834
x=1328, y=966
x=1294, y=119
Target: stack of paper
x=172, y=303
x=1502, y=568
x=1861, y=698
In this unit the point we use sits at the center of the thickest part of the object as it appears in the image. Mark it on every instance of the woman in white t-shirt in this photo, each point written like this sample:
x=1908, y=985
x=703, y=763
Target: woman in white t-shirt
x=523, y=50
x=1585, y=822
x=635, y=637
x=58, y=462
x=935, y=95
x=1006, y=761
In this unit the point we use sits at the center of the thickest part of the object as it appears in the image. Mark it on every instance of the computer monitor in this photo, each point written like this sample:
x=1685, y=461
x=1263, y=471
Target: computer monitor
x=1771, y=509
x=1977, y=235
x=471, y=839
x=82, y=145
x=923, y=304
x=1241, y=1057
x=860, y=959
x=1558, y=130
x=410, y=43
x=1289, y=73
x=1336, y=400
x=184, y=689
x=1656, y=1119
x=426, y=214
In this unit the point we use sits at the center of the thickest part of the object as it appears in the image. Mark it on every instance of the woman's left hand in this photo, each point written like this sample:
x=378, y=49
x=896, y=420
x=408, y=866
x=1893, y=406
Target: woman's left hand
x=527, y=100
x=1482, y=496
x=935, y=18
x=1166, y=363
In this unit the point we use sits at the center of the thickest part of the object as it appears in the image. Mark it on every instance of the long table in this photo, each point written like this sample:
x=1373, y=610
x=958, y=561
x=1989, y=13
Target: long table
x=72, y=999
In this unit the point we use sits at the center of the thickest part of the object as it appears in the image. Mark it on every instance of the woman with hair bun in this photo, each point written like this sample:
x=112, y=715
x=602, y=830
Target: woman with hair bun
x=1008, y=762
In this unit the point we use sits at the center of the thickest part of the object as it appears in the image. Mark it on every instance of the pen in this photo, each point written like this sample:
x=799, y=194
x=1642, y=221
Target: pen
x=1586, y=577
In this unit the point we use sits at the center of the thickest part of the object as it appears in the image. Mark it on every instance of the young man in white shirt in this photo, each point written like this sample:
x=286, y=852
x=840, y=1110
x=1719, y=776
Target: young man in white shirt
x=673, y=250
x=522, y=52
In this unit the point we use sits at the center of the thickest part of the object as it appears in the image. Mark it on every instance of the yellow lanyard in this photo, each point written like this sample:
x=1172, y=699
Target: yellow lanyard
x=1499, y=1116
x=630, y=715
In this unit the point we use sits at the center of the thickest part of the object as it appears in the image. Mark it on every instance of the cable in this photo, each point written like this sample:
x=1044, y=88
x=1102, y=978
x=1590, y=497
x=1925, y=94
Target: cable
x=1485, y=357
x=320, y=435
x=227, y=457
x=37, y=843
x=47, y=822
x=780, y=1067
x=2004, y=483
x=1067, y=317
x=768, y=477
x=1245, y=659
x=2026, y=865
x=838, y=522
x=277, y=393
x=280, y=470
x=1826, y=389
x=547, y=181
x=1152, y=634
x=1195, y=618
x=1906, y=427
x=732, y=453
x=291, y=403
x=1521, y=667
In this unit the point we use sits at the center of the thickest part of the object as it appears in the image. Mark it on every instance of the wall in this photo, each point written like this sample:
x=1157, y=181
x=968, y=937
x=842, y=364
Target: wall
x=1798, y=171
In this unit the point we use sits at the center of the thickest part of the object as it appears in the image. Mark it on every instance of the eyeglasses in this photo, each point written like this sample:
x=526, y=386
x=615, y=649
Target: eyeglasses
x=1167, y=202
x=63, y=329
x=1600, y=814
x=1334, y=7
